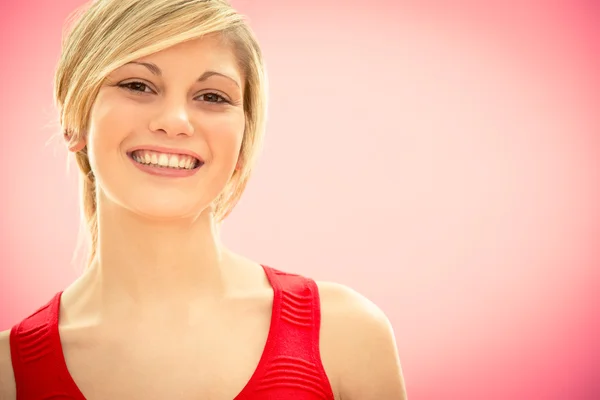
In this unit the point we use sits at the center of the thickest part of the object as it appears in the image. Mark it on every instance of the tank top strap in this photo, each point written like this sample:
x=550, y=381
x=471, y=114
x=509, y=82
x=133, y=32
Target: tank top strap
x=35, y=351
x=295, y=357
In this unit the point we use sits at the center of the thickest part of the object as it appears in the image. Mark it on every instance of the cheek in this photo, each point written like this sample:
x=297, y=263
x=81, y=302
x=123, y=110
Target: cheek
x=109, y=121
x=224, y=138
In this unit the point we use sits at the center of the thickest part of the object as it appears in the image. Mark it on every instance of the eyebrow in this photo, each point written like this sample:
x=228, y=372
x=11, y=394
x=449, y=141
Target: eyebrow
x=207, y=74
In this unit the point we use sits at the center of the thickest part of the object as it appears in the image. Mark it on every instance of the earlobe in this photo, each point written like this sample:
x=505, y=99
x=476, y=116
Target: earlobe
x=77, y=146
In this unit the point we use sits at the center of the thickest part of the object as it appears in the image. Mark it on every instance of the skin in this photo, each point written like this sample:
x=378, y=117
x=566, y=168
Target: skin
x=162, y=275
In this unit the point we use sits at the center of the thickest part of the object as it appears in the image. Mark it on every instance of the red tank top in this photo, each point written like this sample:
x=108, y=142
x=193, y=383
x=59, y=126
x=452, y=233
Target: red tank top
x=290, y=366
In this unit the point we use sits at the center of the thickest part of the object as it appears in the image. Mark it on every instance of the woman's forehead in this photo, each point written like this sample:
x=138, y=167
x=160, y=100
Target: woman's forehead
x=202, y=54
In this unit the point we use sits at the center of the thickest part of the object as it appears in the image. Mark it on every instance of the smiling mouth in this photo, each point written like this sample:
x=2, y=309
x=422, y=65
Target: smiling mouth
x=165, y=160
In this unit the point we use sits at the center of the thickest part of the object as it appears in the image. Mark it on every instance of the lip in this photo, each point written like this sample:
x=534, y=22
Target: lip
x=167, y=150
x=165, y=172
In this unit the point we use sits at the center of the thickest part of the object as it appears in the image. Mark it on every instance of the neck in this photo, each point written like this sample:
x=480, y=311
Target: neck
x=147, y=262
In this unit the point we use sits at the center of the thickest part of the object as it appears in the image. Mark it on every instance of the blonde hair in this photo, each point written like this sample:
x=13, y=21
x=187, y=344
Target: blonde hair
x=109, y=33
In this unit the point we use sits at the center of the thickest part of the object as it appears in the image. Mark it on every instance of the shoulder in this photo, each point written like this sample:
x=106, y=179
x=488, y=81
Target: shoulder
x=346, y=302
x=29, y=330
x=7, y=380
x=358, y=346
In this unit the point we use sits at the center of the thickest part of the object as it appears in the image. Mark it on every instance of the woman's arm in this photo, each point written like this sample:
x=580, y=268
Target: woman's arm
x=358, y=347
x=7, y=379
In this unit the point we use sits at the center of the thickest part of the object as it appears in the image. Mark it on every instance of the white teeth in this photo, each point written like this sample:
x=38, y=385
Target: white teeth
x=173, y=162
x=164, y=160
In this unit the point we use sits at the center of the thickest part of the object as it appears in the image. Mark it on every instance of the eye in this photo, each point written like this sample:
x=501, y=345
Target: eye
x=212, y=97
x=136, y=86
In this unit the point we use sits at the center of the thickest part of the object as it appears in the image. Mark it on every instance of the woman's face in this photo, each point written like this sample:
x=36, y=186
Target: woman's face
x=166, y=130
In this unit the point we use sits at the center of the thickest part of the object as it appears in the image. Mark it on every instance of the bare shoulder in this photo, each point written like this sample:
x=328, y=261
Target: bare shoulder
x=339, y=298
x=358, y=346
x=7, y=379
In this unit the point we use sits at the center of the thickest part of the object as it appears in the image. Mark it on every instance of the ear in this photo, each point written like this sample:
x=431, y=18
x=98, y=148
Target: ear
x=77, y=146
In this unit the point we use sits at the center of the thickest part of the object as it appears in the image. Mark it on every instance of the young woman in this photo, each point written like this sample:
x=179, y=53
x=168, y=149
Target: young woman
x=163, y=104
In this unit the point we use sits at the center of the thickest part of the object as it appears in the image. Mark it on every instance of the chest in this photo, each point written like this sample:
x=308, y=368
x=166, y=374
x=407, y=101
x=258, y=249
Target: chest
x=214, y=360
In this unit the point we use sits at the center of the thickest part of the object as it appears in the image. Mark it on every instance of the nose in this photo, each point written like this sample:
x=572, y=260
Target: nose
x=173, y=119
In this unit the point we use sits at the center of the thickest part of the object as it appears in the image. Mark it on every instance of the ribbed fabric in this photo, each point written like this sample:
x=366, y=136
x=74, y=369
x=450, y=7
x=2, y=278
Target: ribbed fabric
x=290, y=366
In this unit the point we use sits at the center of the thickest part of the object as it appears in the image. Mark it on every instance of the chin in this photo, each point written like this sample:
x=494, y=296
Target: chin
x=159, y=203
x=167, y=208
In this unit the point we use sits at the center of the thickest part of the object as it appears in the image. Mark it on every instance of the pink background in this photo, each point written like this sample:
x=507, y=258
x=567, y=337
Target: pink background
x=442, y=159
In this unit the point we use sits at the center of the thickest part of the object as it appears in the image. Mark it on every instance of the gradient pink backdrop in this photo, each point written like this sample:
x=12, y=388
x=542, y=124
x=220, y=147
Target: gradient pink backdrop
x=441, y=158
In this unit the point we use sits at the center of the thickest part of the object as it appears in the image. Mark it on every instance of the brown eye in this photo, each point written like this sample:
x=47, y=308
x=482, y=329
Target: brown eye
x=135, y=86
x=212, y=98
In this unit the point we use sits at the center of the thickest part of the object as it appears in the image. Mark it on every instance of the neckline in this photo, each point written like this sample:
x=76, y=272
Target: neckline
x=67, y=378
